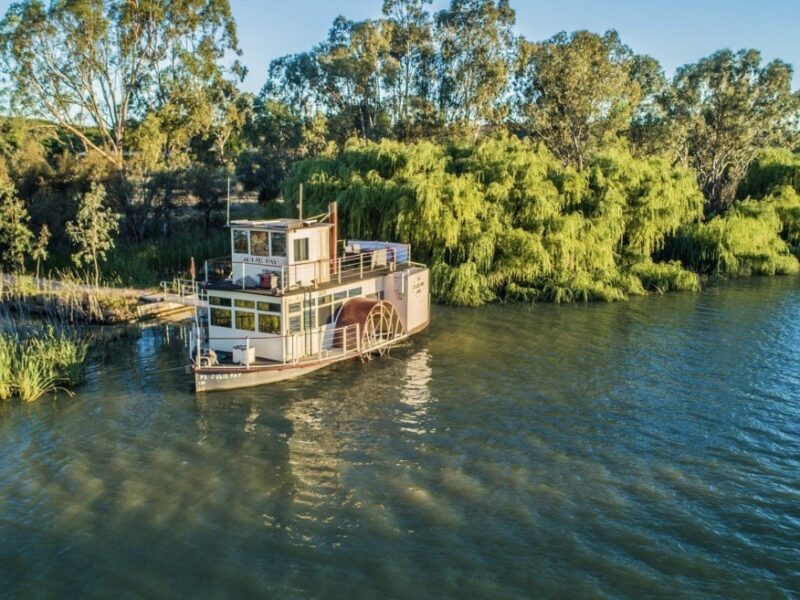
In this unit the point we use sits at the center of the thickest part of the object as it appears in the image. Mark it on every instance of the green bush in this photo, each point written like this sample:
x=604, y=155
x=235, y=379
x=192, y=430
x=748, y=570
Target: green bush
x=745, y=240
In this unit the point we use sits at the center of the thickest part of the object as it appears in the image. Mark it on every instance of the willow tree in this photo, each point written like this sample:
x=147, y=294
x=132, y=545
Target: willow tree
x=505, y=218
x=576, y=92
x=728, y=106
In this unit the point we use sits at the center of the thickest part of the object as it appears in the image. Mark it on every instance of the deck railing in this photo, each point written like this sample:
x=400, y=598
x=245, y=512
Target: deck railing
x=184, y=289
x=309, y=274
x=324, y=342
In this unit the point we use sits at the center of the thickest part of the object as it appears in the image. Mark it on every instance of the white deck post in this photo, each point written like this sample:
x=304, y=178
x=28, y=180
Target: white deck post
x=247, y=352
x=197, y=335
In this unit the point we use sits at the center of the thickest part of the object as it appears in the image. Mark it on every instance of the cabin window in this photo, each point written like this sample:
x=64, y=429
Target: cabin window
x=259, y=243
x=301, y=249
x=269, y=323
x=220, y=317
x=269, y=307
x=309, y=319
x=240, y=241
x=325, y=314
x=354, y=292
x=325, y=299
x=340, y=295
x=238, y=303
x=219, y=301
x=278, y=242
x=294, y=325
x=294, y=307
x=245, y=320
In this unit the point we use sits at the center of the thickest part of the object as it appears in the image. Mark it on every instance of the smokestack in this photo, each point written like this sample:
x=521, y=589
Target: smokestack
x=333, y=217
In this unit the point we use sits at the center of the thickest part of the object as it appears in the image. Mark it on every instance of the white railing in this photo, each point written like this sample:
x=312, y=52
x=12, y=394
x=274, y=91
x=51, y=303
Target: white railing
x=329, y=342
x=309, y=274
x=184, y=288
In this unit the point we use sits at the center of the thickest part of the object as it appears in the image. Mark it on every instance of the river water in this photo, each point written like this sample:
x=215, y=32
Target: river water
x=642, y=449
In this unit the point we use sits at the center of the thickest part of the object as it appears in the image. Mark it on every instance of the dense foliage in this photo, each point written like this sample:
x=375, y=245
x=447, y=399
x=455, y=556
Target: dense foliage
x=506, y=219
x=564, y=169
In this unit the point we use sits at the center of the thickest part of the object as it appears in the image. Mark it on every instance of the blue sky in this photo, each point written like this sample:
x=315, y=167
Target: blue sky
x=673, y=31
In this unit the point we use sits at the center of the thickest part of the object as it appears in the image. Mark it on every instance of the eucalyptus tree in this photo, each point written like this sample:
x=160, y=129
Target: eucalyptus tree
x=476, y=43
x=98, y=69
x=409, y=66
x=577, y=92
x=102, y=64
x=277, y=134
x=350, y=67
x=39, y=249
x=726, y=107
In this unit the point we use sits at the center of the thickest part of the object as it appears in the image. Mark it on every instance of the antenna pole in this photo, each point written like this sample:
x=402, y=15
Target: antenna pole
x=300, y=203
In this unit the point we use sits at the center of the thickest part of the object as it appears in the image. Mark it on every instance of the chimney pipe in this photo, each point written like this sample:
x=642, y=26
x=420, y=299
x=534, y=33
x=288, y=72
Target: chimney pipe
x=333, y=217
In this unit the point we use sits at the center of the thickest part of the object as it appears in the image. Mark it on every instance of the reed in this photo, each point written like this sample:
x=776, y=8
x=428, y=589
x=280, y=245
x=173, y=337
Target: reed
x=40, y=361
x=69, y=299
x=7, y=356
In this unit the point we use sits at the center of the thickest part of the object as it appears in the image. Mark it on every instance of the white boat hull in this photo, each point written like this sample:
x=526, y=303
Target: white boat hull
x=223, y=377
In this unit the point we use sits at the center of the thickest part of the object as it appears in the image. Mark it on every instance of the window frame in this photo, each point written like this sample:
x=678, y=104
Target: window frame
x=263, y=237
x=237, y=233
x=302, y=255
x=272, y=236
x=220, y=311
x=244, y=313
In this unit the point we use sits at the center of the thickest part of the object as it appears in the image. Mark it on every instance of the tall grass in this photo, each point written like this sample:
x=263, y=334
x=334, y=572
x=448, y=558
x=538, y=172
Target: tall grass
x=68, y=299
x=40, y=361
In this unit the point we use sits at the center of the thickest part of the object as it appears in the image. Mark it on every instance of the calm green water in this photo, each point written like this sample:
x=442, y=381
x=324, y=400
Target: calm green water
x=645, y=449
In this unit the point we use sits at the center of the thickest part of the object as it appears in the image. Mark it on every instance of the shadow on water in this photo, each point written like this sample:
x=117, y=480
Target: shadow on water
x=646, y=448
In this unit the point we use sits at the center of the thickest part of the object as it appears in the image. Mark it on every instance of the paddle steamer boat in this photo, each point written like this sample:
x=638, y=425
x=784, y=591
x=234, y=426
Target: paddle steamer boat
x=292, y=299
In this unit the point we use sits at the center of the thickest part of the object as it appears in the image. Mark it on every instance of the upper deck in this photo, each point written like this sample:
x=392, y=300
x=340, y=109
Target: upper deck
x=280, y=256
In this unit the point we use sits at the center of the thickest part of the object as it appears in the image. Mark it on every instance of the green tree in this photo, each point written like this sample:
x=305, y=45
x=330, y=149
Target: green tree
x=409, y=66
x=39, y=250
x=475, y=51
x=207, y=184
x=93, y=230
x=15, y=235
x=105, y=63
x=98, y=69
x=278, y=135
x=726, y=107
x=577, y=92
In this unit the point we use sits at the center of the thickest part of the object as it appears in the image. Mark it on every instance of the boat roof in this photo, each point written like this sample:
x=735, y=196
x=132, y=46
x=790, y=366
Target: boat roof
x=282, y=224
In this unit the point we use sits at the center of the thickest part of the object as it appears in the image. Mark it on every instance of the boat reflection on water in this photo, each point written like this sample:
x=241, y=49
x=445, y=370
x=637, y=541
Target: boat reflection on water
x=312, y=447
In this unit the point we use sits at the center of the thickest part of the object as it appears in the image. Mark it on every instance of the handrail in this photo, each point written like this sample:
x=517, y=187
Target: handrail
x=353, y=266
x=351, y=344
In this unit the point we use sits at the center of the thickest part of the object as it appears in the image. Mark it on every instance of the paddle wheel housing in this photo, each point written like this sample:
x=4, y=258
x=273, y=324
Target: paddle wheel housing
x=379, y=325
